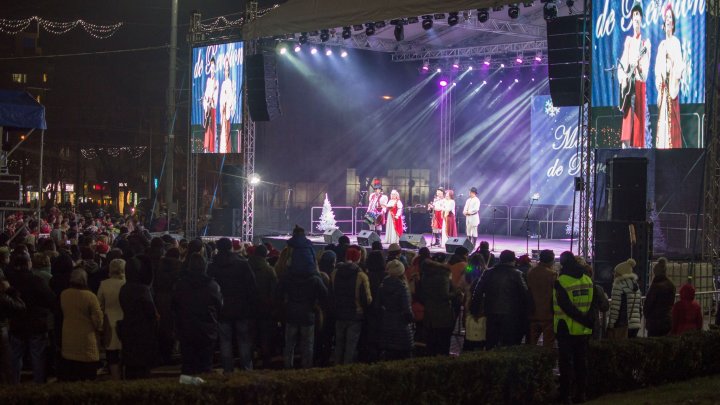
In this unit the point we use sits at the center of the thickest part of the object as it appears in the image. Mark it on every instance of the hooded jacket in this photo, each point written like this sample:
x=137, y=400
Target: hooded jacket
x=686, y=313
x=266, y=285
x=436, y=293
x=393, y=303
x=300, y=292
x=350, y=292
x=39, y=300
x=658, y=306
x=625, y=305
x=302, y=258
x=503, y=291
x=237, y=285
x=196, y=303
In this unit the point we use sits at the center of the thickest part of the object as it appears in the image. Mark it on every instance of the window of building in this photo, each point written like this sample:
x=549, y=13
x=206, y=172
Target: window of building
x=19, y=77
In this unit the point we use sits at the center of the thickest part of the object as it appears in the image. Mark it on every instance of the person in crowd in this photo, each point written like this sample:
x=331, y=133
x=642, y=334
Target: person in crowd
x=302, y=254
x=601, y=303
x=239, y=292
x=29, y=329
x=82, y=322
x=625, y=305
x=505, y=302
x=328, y=260
x=103, y=273
x=481, y=260
x=395, y=252
x=300, y=289
x=395, y=314
x=41, y=267
x=572, y=323
x=540, y=282
x=376, y=274
x=325, y=321
x=109, y=296
x=458, y=264
x=343, y=244
x=10, y=305
x=265, y=306
x=351, y=297
x=87, y=260
x=138, y=328
x=167, y=275
x=524, y=264
x=686, y=313
x=197, y=302
x=437, y=293
x=659, y=301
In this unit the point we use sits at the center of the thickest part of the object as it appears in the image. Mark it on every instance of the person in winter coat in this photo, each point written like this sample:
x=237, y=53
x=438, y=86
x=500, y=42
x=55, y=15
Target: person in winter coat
x=29, y=329
x=437, y=294
x=625, y=305
x=302, y=257
x=239, y=291
x=10, y=305
x=109, y=296
x=169, y=271
x=351, y=297
x=659, y=301
x=196, y=304
x=138, y=329
x=265, y=305
x=686, y=313
x=82, y=322
x=541, y=281
x=300, y=291
x=505, y=301
x=393, y=303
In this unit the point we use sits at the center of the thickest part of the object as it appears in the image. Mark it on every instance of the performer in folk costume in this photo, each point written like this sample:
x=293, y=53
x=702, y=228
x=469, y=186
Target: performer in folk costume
x=378, y=202
x=449, y=229
x=436, y=208
x=669, y=68
x=227, y=109
x=210, y=99
x=394, y=218
x=472, y=218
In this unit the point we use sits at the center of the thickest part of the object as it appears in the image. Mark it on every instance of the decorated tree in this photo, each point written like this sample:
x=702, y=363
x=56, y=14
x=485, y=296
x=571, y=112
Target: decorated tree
x=327, y=218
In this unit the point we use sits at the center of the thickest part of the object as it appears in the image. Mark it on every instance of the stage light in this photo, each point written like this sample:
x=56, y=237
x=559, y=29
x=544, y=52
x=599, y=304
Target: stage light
x=487, y=61
x=254, y=179
x=483, y=15
x=454, y=84
x=343, y=54
x=346, y=33
x=427, y=22
x=484, y=82
x=497, y=8
x=443, y=83
x=519, y=59
x=303, y=37
x=324, y=35
x=516, y=80
x=297, y=48
x=538, y=56
x=439, y=16
x=399, y=32
x=532, y=80
x=313, y=51
x=282, y=50
x=358, y=27
x=453, y=18
x=456, y=64
x=380, y=24
x=370, y=29
x=328, y=52
x=502, y=66
x=426, y=66
x=528, y=3
x=535, y=197
x=550, y=10
x=513, y=11
x=469, y=68
x=439, y=70
x=412, y=20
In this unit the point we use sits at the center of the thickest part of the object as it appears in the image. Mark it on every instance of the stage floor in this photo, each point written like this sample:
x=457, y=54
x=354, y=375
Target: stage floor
x=515, y=243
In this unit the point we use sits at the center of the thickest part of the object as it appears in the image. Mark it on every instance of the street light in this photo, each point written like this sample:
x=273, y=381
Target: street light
x=254, y=179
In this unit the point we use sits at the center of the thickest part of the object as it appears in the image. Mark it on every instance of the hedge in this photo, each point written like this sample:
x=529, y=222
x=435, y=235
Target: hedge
x=514, y=375
x=636, y=363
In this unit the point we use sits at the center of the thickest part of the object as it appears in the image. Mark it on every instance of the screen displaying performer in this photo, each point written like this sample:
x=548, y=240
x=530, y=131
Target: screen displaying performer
x=216, y=120
x=648, y=88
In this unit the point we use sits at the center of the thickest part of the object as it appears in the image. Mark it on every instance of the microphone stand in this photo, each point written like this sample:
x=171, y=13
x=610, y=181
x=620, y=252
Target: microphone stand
x=527, y=227
x=493, y=230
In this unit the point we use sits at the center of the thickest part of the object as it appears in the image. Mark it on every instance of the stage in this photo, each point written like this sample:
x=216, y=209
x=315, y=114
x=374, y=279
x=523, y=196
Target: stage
x=515, y=243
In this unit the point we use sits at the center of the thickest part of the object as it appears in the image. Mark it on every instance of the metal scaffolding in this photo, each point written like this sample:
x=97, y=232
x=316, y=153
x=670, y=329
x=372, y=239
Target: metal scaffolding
x=248, y=144
x=446, y=135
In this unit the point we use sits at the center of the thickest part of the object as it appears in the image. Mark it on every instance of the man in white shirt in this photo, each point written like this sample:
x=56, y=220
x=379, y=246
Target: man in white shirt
x=472, y=218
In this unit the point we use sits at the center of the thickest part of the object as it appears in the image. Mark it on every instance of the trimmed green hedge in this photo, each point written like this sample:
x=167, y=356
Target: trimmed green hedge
x=635, y=363
x=514, y=375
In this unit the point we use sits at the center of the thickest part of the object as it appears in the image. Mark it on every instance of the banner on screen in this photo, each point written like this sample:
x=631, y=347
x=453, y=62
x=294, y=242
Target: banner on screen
x=216, y=119
x=554, y=160
x=649, y=73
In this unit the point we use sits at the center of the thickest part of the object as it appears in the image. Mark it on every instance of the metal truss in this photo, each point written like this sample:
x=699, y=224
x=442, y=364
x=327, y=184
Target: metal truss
x=248, y=143
x=446, y=135
x=191, y=215
x=485, y=50
x=586, y=146
x=494, y=26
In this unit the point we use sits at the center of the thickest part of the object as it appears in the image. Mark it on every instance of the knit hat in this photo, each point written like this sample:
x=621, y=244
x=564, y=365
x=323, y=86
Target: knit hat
x=395, y=268
x=660, y=268
x=352, y=255
x=507, y=256
x=394, y=247
x=524, y=259
x=625, y=267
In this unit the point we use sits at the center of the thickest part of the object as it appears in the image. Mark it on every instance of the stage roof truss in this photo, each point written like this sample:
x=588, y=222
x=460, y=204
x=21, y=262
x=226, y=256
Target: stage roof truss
x=486, y=50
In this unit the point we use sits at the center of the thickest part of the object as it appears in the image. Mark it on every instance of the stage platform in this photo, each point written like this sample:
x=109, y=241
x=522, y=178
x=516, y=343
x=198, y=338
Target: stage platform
x=515, y=243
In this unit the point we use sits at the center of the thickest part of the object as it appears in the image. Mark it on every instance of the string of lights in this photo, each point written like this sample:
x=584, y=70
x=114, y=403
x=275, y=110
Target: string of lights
x=14, y=27
x=222, y=22
x=94, y=153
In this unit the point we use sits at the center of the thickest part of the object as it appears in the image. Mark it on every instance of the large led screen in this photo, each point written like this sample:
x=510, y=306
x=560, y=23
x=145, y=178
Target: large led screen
x=216, y=120
x=648, y=77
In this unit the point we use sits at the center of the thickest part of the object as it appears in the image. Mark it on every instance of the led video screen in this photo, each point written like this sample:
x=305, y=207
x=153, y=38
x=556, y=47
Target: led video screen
x=648, y=77
x=217, y=81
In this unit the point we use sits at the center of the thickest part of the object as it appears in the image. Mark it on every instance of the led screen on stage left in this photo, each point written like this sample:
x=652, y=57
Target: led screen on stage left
x=216, y=120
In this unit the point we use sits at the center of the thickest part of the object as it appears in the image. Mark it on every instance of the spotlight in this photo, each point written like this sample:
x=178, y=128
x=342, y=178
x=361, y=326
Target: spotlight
x=358, y=27
x=528, y=3
x=513, y=11
x=487, y=61
x=343, y=54
x=346, y=33
x=282, y=50
x=502, y=66
x=370, y=29
x=313, y=51
x=297, y=48
x=412, y=20
x=516, y=80
x=303, y=37
x=328, y=52
x=469, y=68
x=254, y=179
x=439, y=16
x=519, y=59
x=497, y=8
x=550, y=10
x=484, y=82
x=379, y=24
x=443, y=83
x=483, y=15
x=453, y=18
x=439, y=70
x=426, y=66
x=324, y=35
x=427, y=22
x=456, y=64
x=399, y=32
x=538, y=56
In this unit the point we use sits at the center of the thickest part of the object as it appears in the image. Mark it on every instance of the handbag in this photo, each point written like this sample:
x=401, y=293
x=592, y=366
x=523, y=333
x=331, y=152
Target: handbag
x=475, y=328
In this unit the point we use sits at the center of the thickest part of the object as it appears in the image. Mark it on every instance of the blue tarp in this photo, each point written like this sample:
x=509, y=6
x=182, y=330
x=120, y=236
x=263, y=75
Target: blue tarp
x=20, y=110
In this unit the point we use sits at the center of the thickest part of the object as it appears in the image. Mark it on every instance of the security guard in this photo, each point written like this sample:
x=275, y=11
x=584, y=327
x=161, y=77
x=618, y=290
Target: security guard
x=573, y=323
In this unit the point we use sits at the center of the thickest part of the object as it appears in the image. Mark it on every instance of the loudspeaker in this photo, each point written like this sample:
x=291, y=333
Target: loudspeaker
x=454, y=243
x=412, y=241
x=332, y=235
x=627, y=189
x=262, y=86
x=612, y=246
x=565, y=58
x=366, y=238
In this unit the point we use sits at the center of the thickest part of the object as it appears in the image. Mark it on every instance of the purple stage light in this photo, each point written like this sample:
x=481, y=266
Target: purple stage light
x=313, y=51
x=297, y=48
x=456, y=66
x=486, y=63
x=518, y=60
x=426, y=68
x=502, y=65
x=484, y=82
x=439, y=70
x=516, y=80
x=538, y=59
x=443, y=83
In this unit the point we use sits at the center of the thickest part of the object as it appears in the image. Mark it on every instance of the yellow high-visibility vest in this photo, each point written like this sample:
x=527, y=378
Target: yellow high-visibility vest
x=580, y=291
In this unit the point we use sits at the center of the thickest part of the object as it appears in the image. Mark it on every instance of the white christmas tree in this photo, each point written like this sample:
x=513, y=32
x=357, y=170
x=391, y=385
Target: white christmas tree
x=327, y=218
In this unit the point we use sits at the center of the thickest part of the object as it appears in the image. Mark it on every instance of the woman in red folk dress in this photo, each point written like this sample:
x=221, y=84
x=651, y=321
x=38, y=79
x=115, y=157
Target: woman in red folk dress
x=394, y=218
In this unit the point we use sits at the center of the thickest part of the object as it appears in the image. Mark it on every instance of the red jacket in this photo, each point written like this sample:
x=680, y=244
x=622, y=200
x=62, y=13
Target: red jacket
x=686, y=313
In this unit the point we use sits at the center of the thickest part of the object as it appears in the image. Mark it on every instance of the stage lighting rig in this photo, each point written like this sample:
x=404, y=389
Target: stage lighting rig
x=497, y=8
x=346, y=33
x=303, y=37
x=439, y=16
x=379, y=24
x=426, y=65
x=358, y=27
x=483, y=15
x=513, y=11
x=453, y=18
x=370, y=29
x=427, y=22
x=324, y=35
x=550, y=10
x=528, y=4
x=412, y=20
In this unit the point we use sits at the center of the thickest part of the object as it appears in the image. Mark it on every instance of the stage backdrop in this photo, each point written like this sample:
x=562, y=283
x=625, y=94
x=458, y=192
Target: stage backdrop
x=217, y=79
x=554, y=159
x=612, y=24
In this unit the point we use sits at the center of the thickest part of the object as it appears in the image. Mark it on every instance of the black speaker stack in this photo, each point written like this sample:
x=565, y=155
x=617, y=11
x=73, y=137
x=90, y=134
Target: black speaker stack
x=565, y=58
x=262, y=86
